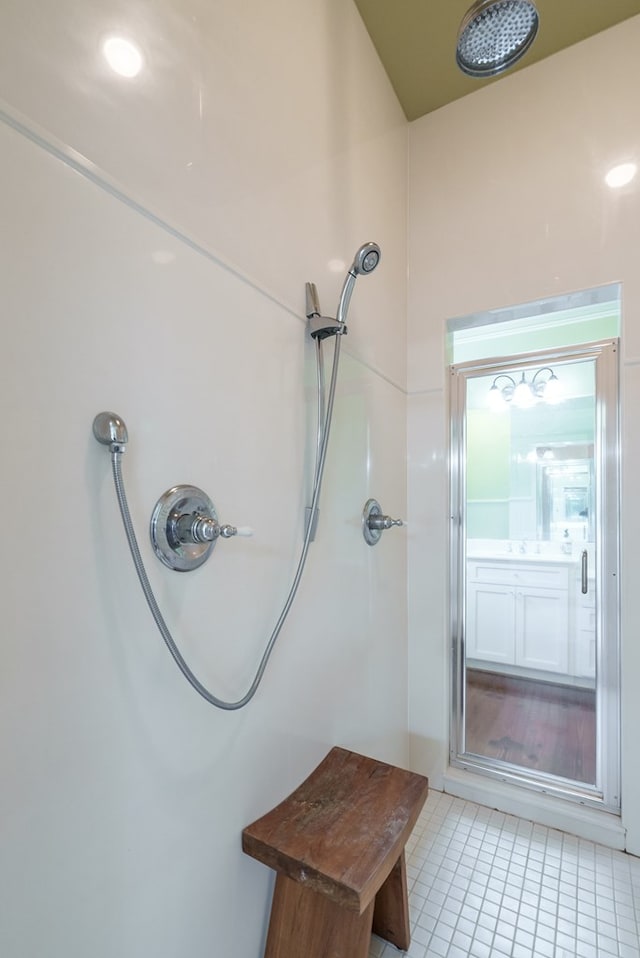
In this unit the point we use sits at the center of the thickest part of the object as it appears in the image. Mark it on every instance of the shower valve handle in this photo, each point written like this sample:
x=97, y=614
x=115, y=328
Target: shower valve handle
x=227, y=531
x=244, y=532
x=374, y=522
x=185, y=528
x=195, y=528
x=383, y=522
x=203, y=528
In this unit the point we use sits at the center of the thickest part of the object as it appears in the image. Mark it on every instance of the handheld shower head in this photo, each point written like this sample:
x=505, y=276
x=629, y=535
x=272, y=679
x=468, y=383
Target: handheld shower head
x=366, y=259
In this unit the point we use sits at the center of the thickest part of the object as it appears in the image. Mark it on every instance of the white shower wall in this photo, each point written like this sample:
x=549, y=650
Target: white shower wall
x=507, y=205
x=160, y=273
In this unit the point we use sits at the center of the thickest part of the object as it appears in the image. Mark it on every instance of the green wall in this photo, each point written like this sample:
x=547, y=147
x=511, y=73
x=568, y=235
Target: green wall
x=488, y=474
x=498, y=472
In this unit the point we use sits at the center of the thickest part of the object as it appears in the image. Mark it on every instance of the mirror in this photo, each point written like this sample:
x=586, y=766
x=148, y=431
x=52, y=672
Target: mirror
x=565, y=492
x=530, y=469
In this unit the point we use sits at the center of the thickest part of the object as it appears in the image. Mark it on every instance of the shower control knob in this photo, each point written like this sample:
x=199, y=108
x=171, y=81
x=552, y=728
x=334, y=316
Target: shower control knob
x=197, y=528
x=374, y=522
x=185, y=528
x=228, y=531
x=383, y=522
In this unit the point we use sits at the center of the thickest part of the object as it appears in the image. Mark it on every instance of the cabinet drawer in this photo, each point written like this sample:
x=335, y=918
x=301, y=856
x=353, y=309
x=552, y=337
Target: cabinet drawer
x=539, y=575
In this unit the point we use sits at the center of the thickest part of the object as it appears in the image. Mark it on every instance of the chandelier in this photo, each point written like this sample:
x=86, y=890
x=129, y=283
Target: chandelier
x=544, y=386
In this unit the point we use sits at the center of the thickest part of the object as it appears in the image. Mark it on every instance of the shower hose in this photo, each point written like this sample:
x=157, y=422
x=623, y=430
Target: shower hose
x=323, y=426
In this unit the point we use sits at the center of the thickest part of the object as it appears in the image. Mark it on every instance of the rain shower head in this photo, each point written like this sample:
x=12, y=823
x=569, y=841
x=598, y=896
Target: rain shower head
x=494, y=34
x=366, y=259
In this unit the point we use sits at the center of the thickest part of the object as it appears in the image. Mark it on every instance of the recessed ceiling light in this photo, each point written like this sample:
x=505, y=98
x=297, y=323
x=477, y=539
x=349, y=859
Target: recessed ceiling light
x=620, y=175
x=123, y=56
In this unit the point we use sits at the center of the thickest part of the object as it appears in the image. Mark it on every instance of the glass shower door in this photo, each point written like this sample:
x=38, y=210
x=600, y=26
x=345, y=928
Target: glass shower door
x=536, y=639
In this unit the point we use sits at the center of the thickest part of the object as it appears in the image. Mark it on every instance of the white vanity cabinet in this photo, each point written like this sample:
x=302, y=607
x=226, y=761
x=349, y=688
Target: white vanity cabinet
x=584, y=651
x=518, y=613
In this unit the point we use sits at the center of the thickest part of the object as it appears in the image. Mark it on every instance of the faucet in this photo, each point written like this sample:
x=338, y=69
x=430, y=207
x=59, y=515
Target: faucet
x=523, y=546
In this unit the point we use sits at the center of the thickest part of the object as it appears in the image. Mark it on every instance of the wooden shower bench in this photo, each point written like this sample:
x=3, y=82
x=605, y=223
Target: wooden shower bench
x=337, y=845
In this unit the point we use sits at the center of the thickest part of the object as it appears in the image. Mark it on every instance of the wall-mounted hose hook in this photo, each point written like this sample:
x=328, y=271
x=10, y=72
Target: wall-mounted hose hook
x=110, y=430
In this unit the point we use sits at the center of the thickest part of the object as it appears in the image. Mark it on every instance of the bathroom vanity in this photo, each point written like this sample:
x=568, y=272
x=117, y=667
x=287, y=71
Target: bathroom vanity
x=526, y=614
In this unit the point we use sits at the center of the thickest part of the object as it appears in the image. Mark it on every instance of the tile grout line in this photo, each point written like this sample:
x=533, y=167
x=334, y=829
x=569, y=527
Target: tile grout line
x=542, y=893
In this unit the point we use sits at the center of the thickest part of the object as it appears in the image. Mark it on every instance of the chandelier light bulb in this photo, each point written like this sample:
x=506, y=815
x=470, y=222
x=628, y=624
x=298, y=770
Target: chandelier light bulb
x=527, y=392
x=523, y=396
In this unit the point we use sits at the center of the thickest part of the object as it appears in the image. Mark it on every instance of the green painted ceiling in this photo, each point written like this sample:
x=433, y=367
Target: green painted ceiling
x=416, y=41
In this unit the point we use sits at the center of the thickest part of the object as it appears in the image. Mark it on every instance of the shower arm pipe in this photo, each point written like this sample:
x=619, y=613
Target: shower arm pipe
x=117, y=450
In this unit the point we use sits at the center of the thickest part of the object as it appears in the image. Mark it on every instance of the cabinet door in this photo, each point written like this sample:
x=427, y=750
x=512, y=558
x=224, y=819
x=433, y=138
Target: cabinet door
x=491, y=622
x=542, y=639
x=584, y=653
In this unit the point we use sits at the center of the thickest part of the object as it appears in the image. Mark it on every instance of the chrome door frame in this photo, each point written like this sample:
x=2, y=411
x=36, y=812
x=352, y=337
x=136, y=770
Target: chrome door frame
x=605, y=793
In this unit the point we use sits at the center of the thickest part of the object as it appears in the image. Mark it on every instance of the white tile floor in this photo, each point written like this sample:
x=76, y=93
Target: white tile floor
x=489, y=885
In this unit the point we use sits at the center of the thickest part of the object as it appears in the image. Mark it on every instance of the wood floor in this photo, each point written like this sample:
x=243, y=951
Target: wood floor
x=538, y=725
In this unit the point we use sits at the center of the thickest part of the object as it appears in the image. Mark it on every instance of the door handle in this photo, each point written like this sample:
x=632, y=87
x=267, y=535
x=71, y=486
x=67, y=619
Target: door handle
x=585, y=572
